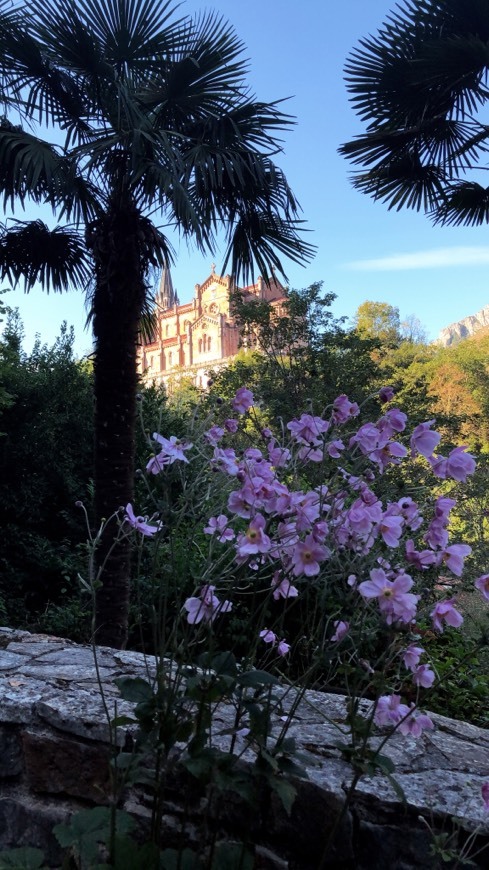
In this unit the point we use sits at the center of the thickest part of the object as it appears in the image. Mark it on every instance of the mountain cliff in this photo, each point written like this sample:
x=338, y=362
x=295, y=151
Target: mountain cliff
x=454, y=333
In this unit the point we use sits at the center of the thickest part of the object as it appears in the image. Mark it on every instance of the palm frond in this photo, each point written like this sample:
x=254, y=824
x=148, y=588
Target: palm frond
x=33, y=253
x=466, y=204
x=255, y=240
x=404, y=183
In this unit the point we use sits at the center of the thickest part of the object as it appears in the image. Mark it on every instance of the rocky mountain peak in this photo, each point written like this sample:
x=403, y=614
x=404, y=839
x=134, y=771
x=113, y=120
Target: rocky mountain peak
x=464, y=328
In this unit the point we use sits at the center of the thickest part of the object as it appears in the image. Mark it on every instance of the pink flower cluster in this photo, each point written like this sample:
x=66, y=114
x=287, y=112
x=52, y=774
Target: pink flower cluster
x=327, y=533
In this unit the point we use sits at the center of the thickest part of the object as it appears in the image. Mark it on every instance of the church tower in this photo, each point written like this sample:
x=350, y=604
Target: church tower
x=166, y=297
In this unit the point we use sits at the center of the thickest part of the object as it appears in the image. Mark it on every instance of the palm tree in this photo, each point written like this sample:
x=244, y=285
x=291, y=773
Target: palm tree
x=155, y=121
x=419, y=85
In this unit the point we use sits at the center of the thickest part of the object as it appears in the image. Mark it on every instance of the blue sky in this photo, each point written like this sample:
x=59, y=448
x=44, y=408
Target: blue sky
x=364, y=251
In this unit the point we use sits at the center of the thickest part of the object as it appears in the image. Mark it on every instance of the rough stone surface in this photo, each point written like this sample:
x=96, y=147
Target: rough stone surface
x=55, y=746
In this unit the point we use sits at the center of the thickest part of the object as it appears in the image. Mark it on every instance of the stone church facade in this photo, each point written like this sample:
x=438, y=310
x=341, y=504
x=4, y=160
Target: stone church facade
x=192, y=339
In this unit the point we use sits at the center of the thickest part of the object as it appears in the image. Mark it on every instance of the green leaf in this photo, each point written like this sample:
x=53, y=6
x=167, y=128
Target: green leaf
x=285, y=791
x=24, y=858
x=384, y=763
x=88, y=828
x=397, y=788
x=118, y=721
x=257, y=678
x=172, y=859
x=232, y=856
x=134, y=689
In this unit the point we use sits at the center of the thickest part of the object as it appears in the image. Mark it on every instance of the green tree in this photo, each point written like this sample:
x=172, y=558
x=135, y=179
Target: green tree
x=46, y=463
x=418, y=85
x=155, y=118
x=380, y=321
x=296, y=354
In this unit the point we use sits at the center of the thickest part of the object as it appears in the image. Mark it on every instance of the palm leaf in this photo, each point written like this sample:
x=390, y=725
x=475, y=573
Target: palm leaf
x=33, y=253
x=465, y=204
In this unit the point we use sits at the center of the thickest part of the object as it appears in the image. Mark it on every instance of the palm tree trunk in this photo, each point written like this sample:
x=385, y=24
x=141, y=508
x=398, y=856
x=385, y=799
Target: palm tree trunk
x=115, y=241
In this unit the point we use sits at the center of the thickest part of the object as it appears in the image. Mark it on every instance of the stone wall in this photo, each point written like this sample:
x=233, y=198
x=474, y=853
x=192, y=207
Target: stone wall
x=55, y=749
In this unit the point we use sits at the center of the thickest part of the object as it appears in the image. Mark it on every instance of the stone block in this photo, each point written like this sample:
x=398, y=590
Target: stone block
x=58, y=765
x=10, y=753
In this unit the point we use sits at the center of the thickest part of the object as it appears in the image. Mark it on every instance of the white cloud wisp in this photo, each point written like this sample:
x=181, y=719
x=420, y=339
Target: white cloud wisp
x=436, y=258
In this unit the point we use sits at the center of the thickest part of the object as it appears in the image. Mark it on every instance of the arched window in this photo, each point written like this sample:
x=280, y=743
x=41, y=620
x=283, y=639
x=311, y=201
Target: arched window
x=209, y=343
x=200, y=345
x=170, y=358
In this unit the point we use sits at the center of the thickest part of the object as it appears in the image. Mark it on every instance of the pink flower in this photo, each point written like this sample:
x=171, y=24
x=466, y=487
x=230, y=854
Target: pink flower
x=485, y=795
x=242, y=400
x=444, y=611
x=390, y=453
x=270, y=637
x=226, y=460
x=282, y=587
x=421, y=559
x=423, y=440
x=206, y=607
x=393, y=421
x=214, y=434
x=411, y=656
x=334, y=448
x=308, y=429
x=437, y=535
x=279, y=456
x=415, y=724
x=217, y=525
x=172, y=450
x=140, y=523
x=443, y=506
x=423, y=676
x=458, y=465
x=454, y=556
x=341, y=629
x=482, y=584
x=343, y=409
x=367, y=438
x=391, y=530
x=386, y=394
x=306, y=557
x=395, y=601
x=389, y=710
x=254, y=540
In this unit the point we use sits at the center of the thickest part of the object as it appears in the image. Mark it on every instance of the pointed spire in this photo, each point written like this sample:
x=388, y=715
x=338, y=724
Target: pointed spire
x=166, y=296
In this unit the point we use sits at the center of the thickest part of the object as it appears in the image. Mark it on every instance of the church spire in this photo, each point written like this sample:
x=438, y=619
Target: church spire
x=166, y=296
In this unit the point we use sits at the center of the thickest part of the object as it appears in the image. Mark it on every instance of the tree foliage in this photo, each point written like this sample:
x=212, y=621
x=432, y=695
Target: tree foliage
x=297, y=353
x=46, y=465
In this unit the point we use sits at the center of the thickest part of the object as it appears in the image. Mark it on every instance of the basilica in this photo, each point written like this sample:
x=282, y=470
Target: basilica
x=192, y=339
